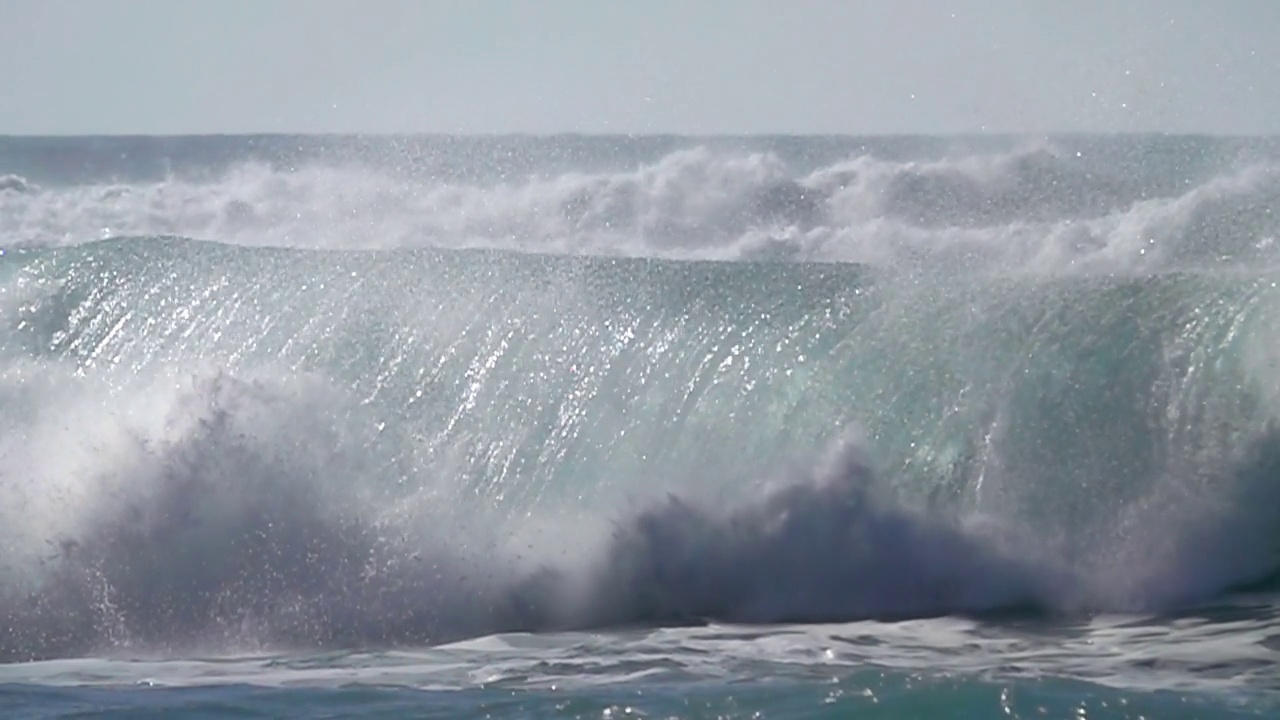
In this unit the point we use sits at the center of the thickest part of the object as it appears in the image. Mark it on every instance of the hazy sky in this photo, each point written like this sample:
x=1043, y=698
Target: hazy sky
x=692, y=66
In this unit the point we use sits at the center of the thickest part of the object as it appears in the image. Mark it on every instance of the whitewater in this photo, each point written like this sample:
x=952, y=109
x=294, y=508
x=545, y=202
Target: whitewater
x=667, y=426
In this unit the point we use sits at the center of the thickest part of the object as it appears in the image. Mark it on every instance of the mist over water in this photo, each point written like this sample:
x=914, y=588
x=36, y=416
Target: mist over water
x=294, y=456
x=1066, y=204
x=1035, y=379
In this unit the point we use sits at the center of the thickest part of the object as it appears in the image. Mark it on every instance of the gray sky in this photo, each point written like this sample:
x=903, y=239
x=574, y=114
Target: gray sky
x=691, y=66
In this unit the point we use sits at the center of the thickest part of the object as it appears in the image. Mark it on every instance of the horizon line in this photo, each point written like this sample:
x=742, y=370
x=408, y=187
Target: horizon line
x=978, y=134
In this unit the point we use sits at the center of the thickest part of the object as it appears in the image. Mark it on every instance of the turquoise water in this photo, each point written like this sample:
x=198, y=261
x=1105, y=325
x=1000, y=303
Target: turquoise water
x=755, y=433
x=1116, y=668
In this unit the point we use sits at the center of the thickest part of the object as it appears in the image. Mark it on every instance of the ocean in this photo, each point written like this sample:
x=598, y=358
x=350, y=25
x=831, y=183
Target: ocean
x=657, y=426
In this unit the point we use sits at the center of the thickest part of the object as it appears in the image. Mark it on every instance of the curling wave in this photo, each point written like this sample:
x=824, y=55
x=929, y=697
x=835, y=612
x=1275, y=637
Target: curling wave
x=211, y=446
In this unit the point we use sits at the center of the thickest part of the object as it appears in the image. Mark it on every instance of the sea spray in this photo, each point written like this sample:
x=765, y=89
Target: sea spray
x=1049, y=206
x=210, y=446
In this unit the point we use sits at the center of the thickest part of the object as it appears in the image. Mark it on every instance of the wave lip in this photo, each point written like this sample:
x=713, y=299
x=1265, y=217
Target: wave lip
x=210, y=446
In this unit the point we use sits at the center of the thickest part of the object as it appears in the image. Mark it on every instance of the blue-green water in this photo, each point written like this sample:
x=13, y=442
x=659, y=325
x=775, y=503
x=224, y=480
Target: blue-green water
x=761, y=428
x=939, y=668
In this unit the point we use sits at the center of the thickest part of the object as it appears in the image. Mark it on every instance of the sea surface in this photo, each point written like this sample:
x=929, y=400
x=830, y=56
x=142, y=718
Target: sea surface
x=665, y=427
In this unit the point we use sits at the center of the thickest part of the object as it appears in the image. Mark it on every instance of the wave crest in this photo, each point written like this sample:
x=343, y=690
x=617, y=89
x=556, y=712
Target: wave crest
x=204, y=446
x=1041, y=208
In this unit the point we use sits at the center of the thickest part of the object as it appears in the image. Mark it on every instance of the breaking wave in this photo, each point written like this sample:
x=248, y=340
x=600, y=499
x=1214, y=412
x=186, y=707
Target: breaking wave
x=208, y=446
x=1047, y=206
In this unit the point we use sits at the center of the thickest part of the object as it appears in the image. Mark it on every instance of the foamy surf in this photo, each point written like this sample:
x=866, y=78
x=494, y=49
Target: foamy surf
x=579, y=424
x=1048, y=206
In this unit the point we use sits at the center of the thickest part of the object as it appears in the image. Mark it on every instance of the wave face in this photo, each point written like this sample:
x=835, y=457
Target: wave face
x=213, y=446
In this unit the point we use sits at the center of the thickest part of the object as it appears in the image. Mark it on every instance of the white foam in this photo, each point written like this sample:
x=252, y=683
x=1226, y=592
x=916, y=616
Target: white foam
x=1030, y=209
